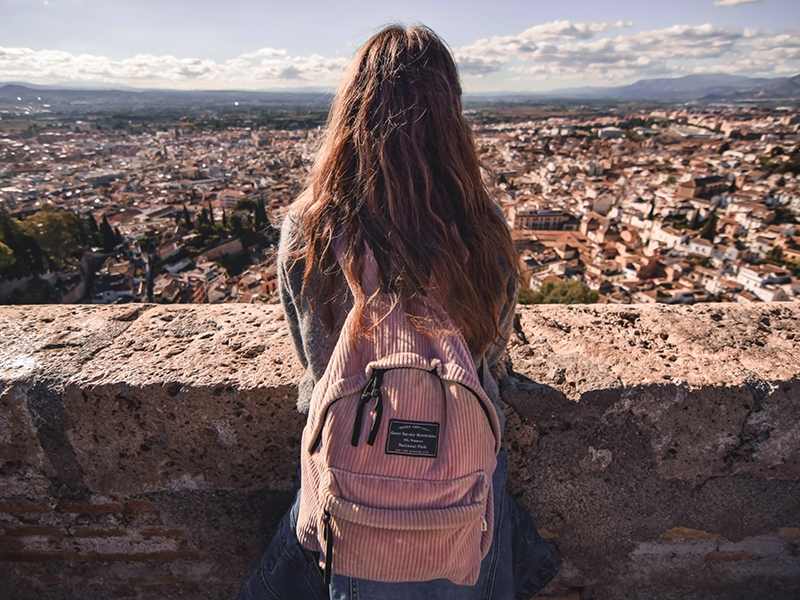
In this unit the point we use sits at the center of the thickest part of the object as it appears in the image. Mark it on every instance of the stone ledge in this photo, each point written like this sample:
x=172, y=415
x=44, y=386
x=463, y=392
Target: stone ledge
x=150, y=450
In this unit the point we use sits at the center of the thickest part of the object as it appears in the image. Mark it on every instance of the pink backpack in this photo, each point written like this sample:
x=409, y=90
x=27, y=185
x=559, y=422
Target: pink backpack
x=398, y=453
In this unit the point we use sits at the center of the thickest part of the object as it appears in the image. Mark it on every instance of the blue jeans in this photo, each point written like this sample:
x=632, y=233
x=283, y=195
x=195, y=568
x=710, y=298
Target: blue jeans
x=519, y=564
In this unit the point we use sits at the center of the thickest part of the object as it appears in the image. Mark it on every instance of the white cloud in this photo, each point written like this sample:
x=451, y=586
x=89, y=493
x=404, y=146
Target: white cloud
x=735, y=2
x=480, y=65
x=263, y=52
x=563, y=50
x=259, y=69
x=528, y=40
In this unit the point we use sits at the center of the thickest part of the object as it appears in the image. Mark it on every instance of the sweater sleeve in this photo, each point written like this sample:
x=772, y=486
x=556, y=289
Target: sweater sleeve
x=312, y=338
x=288, y=286
x=290, y=283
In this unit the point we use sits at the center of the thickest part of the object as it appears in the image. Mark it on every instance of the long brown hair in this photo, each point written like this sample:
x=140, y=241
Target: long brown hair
x=398, y=170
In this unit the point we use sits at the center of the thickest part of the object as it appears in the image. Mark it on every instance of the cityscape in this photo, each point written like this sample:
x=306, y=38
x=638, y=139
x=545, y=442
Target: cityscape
x=607, y=203
x=156, y=397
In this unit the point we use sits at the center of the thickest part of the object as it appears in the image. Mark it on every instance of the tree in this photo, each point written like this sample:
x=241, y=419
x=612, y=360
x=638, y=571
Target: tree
x=187, y=219
x=109, y=239
x=724, y=147
x=652, y=212
x=261, y=216
x=709, y=229
x=210, y=214
x=224, y=218
x=6, y=256
x=561, y=292
x=694, y=220
x=784, y=214
x=29, y=258
x=38, y=291
x=526, y=295
x=56, y=233
x=245, y=204
x=634, y=135
x=775, y=255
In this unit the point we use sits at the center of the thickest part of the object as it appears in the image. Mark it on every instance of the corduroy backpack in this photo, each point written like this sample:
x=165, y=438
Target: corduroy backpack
x=398, y=452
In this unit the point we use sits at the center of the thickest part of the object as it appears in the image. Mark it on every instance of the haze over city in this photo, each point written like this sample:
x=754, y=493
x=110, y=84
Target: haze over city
x=501, y=46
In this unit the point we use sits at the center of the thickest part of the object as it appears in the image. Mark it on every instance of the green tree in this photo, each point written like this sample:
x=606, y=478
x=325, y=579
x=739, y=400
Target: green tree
x=694, y=220
x=187, y=219
x=709, y=229
x=210, y=214
x=6, y=257
x=775, y=256
x=634, y=135
x=245, y=204
x=109, y=239
x=526, y=295
x=784, y=214
x=560, y=292
x=224, y=218
x=29, y=259
x=261, y=216
x=38, y=291
x=57, y=234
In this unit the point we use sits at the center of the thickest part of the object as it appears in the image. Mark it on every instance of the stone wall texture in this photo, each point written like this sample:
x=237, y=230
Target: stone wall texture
x=149, y=451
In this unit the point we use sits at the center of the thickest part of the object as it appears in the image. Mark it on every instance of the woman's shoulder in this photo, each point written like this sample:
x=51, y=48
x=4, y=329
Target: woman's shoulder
x=291, y=230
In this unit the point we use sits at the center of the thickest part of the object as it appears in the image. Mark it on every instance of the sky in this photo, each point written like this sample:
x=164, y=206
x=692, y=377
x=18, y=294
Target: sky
x=500, y=45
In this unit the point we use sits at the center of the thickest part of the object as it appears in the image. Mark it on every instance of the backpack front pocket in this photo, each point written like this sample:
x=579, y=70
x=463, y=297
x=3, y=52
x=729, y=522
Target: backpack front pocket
x=390, y=529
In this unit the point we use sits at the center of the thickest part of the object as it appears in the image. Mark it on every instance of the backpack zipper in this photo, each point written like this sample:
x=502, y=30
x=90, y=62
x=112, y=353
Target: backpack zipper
x=327, y=536
x=371, y=390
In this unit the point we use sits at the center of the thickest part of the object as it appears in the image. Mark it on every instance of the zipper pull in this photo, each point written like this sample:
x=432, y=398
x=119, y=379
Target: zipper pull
x=371, y=390
x=365, y=397
x=377, y=412
x=484, y=526
x=327, y=535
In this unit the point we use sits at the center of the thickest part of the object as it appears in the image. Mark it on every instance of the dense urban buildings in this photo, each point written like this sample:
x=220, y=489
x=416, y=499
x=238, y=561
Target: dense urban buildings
x=677, y=205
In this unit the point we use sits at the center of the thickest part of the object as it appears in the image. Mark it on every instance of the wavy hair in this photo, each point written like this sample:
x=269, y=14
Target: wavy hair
x=398, y=170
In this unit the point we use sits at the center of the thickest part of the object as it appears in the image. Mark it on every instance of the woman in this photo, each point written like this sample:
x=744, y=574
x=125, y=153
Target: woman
x=398, y=174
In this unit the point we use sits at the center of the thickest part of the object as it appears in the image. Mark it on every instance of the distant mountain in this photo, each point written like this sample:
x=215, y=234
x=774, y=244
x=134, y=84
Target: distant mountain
x=74, y=85
x=786, y=89
x=690, y=87
x=710, y=87
x=80, y=100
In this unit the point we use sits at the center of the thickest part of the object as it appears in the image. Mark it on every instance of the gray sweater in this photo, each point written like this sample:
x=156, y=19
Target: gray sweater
x=313, y=341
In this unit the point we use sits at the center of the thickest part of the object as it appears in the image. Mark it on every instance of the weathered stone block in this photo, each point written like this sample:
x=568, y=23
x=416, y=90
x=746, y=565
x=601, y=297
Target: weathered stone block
x=150, y=451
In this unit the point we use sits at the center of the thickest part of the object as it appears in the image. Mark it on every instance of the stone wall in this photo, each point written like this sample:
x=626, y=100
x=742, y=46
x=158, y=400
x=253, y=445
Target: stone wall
x=148, y=451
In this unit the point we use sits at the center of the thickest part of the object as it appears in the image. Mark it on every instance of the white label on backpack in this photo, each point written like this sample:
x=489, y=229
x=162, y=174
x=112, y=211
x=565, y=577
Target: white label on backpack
x=412, y=438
